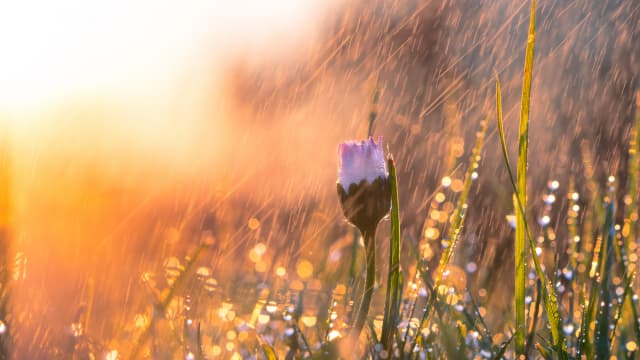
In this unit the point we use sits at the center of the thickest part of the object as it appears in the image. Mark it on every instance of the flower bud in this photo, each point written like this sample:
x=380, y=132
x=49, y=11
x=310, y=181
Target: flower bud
x=363, y=183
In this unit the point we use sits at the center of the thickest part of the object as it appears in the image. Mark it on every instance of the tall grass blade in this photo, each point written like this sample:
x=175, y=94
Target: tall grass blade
x=632, y=304
x=626, y=282
x=394, y=286
x=534, y=322
x=503, y=349
x=550, y=300
x=603, y=320
x=631, y=213
x=584, y=343
x=523, y=146
x=455, y=230
x=458, y=215
x=267, y=350
x=199, y=349
x=524, y=234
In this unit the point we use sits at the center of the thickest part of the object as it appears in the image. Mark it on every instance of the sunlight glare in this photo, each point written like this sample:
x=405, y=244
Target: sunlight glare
x=56, y=50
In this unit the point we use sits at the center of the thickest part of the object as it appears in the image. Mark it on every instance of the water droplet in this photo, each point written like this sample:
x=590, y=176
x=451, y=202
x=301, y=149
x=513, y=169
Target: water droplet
x=567, y=273
x=549, y=199
x=333, y=334
x=471, y=267
x=309, y=320
x=568, y=329
x=544, y=220
x=203, y=272
x=271, y=307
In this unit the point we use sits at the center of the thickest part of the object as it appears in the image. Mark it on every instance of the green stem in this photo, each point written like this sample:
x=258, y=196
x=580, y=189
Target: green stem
x=370, y=254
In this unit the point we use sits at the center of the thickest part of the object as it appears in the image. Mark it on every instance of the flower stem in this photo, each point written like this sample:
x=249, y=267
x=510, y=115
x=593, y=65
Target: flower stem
x=370, y=254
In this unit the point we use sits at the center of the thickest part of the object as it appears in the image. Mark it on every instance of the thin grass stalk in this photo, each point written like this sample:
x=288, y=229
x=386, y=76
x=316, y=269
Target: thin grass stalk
x=200, y=349
x=307, y=348
x=584, y=343
x=550, y=300
x=412, y=307
x=631, y=215
x=534, y=322
x=456, y=227
x=572, y=219
x=161, y=307
x=267, y=350
x=373, y=112
x=394, y=289
x=458, y=215
x=370, y=280
x=603, y=317
x=632, y=304
x=503, y=349
x=477, y=313
x=626, y=281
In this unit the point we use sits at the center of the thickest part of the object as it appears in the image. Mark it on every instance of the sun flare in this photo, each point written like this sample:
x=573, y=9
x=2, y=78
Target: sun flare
x=56, y=50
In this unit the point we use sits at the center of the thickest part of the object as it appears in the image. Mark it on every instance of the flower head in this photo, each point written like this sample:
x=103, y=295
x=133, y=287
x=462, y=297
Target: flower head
x=361, y=161
x=363, y=183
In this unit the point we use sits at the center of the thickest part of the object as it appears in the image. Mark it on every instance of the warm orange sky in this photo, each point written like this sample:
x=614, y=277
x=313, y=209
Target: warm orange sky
x=137, y=80
x=56, y=50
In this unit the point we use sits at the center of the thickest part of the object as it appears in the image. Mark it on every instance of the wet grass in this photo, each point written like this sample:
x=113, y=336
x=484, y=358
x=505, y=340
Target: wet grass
x=571, y=299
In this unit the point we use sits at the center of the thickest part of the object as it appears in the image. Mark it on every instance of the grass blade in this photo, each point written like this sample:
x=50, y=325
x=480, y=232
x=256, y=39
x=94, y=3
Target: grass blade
x=161, y=307
x=632, y=304
x=584, y=343
x=456, y=226
x=503, y=349
x=631, y=214
x=603, y=320
x=534, y=322
x=394, y=289
x=523, y=148
x=458, y=215
x=550, y=300
x=199, y=343
x=626, y=281
x=267, y=349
